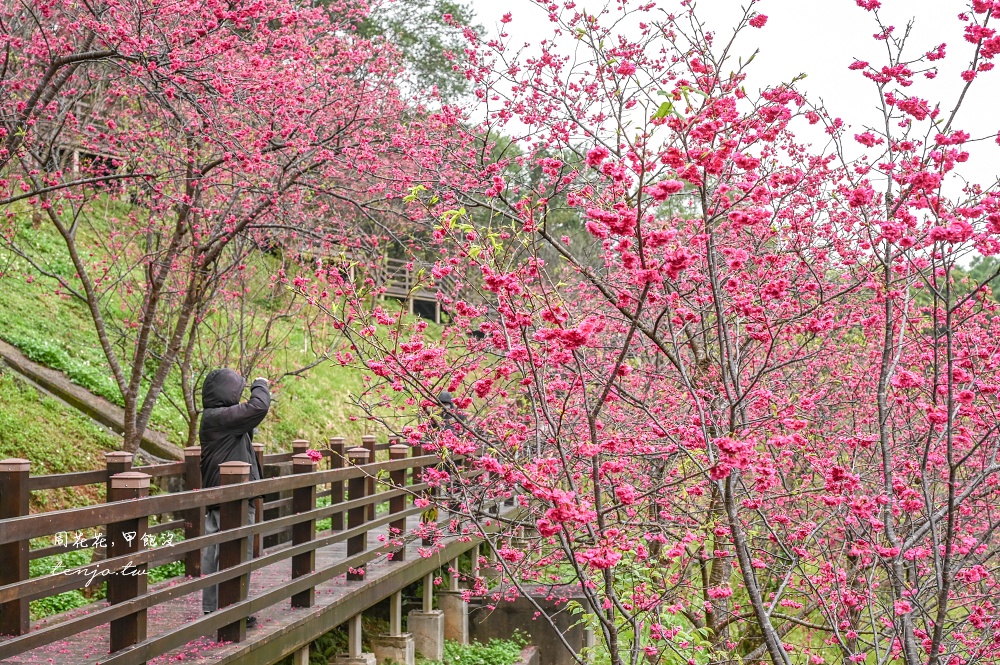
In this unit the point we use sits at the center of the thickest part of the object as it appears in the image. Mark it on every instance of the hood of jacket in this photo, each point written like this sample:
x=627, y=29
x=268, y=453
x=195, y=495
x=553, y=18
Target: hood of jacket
x=222, y=387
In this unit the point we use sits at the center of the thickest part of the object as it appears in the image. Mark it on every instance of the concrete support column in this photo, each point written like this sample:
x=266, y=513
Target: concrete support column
x=396, y=646
x=354, y=655
x=490, y=571
x=456, y=616
x=427, y=628
x=475, y=563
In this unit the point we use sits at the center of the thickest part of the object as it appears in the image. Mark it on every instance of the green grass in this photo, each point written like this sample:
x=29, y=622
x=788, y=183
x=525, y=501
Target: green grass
x=54, y=437
x=57, y=330
x=494, y=652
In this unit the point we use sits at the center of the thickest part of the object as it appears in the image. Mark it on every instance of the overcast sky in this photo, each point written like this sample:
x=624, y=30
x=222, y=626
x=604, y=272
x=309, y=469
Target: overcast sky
x=821, y=38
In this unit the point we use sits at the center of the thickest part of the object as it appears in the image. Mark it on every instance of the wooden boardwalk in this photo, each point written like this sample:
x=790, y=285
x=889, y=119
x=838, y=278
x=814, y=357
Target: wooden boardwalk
x=279, y=626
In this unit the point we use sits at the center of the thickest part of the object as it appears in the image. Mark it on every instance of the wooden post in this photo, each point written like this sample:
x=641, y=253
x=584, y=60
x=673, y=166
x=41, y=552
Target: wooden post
x=117, y=462
x=126, y=538
x=233, y=515
x=299, y=447
x=417, y=471
x=258, y=451
x=397, y=504
x=14, y=496
x=368, y=443
x=337, y=487
x=356, y=489
x=194, y=519
x=303, y=500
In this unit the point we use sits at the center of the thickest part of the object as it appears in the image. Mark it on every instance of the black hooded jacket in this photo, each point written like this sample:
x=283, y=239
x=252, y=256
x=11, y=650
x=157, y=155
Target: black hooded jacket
x=227, y=426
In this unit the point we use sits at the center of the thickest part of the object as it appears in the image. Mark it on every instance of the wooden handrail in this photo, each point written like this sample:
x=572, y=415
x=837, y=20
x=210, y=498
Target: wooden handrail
x=46, y=524
x=39, y=587
x=79, y=478
x=22, y=528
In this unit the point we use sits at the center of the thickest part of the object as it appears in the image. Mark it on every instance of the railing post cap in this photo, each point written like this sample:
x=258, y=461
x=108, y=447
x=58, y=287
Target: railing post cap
x=118, y=456
x=130, y=480
x=258, y=446
x=15, y=464
x=233, y=468
x=357, y=453
x=336, y=439
x=192, y=451
x=367, y=437
x=399, y=449
x=300, y=442
x=302, y=459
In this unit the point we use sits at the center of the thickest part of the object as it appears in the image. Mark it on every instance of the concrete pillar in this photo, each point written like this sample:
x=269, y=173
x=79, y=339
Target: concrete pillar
x=396, y=613
x=396, y=647
x=354, y=655
x=427, y=628
x=456, y=616
x=490, y=571
x=428, y=592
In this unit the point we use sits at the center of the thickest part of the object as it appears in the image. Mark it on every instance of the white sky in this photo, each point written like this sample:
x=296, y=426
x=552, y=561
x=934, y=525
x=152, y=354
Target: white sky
x=821, y=38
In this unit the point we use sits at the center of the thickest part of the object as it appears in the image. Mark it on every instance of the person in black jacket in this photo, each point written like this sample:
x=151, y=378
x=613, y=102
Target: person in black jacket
x=226, y=435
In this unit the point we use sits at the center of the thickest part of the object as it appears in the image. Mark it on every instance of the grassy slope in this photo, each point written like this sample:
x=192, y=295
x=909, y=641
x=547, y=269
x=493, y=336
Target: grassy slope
x=54, y=437
x=57, y=331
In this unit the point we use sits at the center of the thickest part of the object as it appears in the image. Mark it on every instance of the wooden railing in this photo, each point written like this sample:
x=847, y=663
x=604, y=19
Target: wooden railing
x=125, y=520
x=399, y=277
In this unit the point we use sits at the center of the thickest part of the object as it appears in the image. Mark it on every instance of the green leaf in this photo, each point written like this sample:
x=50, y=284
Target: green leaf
x=662, y=112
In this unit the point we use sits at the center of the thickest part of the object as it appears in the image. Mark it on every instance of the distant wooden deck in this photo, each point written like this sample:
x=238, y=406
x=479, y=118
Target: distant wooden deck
x=280, y=628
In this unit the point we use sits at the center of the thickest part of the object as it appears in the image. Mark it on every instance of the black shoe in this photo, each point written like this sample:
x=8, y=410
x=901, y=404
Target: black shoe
x=251, y=622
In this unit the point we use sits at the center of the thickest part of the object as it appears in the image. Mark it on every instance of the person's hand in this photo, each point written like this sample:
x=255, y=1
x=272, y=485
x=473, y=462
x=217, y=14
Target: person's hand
x=261, y=378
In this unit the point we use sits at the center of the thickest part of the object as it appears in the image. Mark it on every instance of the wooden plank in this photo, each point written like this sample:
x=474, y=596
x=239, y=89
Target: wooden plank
x=161, y=470
x=60, y=480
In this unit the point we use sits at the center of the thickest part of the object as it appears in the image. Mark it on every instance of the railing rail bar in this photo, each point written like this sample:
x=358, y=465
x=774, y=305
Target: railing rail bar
x=45, y=524
x=76, y=625
x=38, y=584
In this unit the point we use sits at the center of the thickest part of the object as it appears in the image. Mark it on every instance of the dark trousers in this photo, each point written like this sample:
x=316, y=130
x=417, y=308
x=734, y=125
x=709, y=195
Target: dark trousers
x=210, y=557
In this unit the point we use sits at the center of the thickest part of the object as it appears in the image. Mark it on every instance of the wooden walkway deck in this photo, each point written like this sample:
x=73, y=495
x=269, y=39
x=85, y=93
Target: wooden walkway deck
x=279, y=627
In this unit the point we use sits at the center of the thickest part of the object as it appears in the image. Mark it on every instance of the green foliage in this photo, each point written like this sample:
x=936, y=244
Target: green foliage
x=165, y=572
x=699, y=638
x=418, y=29
x=323, y=649
x=494, y=652
x=79, y=371
x=56, y=330
x=53, y=436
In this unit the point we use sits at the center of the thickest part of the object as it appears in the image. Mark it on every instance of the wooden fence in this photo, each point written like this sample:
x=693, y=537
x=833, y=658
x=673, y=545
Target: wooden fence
x=352, y=481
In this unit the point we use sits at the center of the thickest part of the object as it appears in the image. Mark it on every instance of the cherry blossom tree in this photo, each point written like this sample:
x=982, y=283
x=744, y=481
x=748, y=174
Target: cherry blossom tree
x=747, y=411
x=234, y=116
